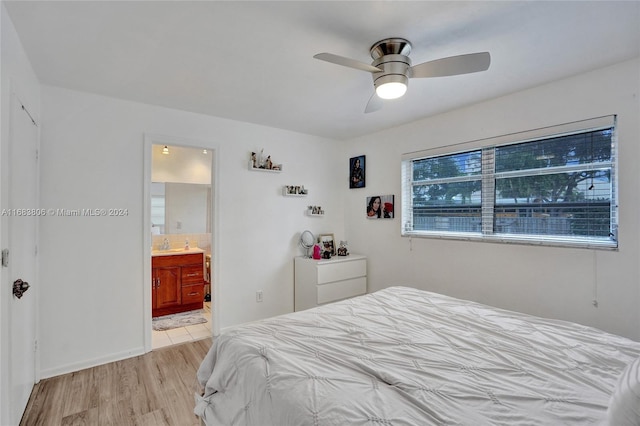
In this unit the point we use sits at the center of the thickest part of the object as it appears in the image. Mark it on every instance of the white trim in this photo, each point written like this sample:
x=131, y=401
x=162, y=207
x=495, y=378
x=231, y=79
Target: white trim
x=533, y=240
x=94, y=362
x=146, y=244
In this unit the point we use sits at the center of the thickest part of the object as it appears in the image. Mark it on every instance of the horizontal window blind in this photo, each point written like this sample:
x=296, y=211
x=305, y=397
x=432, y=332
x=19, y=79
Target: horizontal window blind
x=549, y=186
x=446, y=192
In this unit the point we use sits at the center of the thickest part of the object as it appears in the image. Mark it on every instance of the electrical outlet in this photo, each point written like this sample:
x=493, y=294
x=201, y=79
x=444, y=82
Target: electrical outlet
x=259, y=296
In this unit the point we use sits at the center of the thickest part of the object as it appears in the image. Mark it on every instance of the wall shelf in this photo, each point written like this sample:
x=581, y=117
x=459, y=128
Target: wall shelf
x=257, y=169
x=315, y=211
x=294, y=191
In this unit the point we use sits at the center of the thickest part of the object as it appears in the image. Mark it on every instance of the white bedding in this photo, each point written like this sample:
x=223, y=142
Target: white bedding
x=403, y=356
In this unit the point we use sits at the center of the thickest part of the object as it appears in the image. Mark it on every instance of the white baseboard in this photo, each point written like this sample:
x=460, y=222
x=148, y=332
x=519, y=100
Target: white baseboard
x=77, y=366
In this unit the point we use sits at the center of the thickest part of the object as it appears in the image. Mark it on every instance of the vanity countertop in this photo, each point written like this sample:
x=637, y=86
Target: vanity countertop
x=172, y=252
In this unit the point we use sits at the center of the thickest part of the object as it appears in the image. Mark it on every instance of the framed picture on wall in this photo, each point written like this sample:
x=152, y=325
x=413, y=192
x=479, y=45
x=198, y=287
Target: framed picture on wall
x=380, y=207
x=356, y=172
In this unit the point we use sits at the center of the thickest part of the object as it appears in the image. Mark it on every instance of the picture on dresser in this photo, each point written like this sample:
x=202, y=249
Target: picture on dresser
x=380, y=207
x=356, y=172
x=327, y=244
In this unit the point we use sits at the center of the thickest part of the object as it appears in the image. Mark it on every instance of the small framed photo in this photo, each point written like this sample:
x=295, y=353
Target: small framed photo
x=327, y=243
x=356, y=172
x=380, y=207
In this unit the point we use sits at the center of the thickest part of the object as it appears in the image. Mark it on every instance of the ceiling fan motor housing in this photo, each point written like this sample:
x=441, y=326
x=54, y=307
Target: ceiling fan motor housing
x=395, y=68
x=390, y=55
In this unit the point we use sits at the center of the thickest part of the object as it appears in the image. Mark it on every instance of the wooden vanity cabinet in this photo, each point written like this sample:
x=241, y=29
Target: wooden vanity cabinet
x=166, y=288
x=177, y=283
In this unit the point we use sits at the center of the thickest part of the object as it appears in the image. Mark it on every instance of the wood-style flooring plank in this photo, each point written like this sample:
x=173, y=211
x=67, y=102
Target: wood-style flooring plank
x=152, y=389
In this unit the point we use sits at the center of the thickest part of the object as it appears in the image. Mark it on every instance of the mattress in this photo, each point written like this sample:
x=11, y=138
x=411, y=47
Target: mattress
x=402, y=356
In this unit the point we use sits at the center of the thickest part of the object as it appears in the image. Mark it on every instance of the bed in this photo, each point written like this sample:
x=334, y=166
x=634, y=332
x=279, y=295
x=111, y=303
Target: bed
x=403, y=356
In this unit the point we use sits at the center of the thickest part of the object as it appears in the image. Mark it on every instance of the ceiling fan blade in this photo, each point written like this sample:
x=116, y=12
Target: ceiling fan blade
x=453, y=65
x=375, y=104
x=346, y=62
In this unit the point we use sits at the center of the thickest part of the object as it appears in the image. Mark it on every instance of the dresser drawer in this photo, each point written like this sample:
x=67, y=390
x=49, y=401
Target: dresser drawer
x=341, y=290
x=192, y=294
x=339, y=271
x=192, y=274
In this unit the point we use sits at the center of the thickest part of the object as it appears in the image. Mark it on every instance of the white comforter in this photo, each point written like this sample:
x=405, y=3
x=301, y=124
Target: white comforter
x=403, y=356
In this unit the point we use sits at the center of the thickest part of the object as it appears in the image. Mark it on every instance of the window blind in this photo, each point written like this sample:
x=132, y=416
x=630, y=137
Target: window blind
x=553, y=186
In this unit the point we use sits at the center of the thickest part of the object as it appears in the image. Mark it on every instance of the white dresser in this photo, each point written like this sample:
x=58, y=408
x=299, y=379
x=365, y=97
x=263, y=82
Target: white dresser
x=327, y=280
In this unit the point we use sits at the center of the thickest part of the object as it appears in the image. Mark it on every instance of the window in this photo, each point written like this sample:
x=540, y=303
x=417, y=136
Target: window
x=551, y=186
x=446, y=192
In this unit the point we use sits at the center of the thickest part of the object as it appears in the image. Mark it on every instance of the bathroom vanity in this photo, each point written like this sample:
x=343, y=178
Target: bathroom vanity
x=177, y=281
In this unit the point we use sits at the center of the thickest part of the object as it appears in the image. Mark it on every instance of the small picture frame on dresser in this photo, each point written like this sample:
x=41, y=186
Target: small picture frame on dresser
x=327, y=243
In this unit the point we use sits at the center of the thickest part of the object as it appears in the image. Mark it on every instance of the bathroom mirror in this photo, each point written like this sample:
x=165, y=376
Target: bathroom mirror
x=180, y=208
x=180, y=190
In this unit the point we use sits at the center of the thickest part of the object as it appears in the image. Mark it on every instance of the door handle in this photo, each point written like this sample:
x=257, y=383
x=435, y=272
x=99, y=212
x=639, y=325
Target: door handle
x=19, y=287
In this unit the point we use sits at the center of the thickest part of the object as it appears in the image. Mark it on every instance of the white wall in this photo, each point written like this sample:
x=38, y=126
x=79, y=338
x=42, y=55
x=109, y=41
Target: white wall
x=552, y=282
x=16, y=76
x=92, y=267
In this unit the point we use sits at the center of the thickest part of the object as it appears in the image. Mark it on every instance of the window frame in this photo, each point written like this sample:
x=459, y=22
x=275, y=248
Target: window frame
x=488, y=186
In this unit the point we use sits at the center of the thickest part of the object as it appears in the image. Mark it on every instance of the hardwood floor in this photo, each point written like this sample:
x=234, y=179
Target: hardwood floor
x=152, y=389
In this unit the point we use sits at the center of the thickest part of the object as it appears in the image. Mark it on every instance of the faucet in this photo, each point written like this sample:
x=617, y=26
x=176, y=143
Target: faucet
x=165, y=245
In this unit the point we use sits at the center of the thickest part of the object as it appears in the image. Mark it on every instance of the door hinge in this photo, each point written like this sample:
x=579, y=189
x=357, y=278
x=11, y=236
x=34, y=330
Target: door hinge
x=35, y=345
x=5, y=257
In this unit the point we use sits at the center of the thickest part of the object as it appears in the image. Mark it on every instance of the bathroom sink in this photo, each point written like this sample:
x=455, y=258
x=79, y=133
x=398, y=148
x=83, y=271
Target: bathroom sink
x=175, y=251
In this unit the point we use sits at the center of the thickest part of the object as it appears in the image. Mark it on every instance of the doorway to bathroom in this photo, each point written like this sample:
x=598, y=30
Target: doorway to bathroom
x=179, y=241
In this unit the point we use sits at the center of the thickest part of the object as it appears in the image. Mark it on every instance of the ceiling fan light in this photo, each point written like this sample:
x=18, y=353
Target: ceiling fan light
x=391, y=86
x=165, y=150
x=391, y=90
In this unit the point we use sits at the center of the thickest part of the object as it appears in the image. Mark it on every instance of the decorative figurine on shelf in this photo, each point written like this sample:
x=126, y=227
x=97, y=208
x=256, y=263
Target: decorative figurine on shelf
x=260, y=161
x=342, y=250
x=315, y=210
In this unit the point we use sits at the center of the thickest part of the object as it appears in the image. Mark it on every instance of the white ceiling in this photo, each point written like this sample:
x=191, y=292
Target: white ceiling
x=253, y=61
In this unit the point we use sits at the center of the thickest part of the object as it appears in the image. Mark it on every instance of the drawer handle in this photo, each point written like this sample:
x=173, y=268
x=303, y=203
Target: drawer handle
x=194, y=293
x=193, y=275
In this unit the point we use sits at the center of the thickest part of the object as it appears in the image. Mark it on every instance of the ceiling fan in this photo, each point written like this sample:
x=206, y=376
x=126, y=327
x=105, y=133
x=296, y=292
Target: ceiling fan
x=391, y=68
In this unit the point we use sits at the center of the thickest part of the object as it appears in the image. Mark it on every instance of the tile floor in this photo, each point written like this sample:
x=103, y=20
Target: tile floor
x=160, y=339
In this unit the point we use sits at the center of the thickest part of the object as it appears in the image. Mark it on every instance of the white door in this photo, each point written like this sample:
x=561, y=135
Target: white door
x=21, y=215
